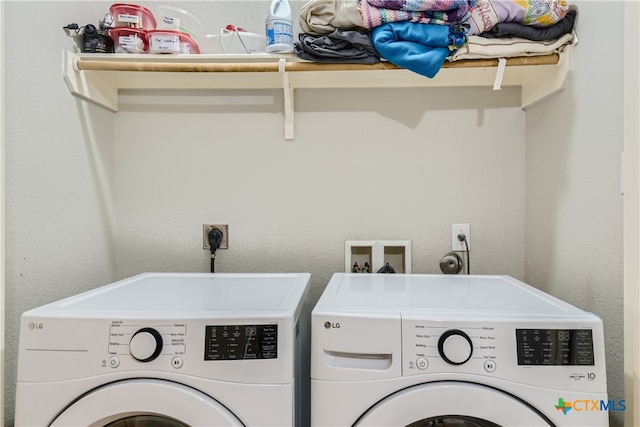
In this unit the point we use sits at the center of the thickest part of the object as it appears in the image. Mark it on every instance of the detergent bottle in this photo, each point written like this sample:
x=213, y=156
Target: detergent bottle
x=279, y=27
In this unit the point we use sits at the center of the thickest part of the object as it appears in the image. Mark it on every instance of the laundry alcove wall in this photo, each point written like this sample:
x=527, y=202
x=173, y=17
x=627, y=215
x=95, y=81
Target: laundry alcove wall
x=128, y=192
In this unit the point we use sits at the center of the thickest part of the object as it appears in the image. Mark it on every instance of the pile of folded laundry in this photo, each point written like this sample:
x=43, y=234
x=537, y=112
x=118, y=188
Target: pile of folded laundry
x=420, y=35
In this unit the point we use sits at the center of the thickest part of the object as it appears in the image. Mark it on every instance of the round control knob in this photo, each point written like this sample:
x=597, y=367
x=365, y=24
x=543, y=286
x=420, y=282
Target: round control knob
x=455, y=347
x=145, y=344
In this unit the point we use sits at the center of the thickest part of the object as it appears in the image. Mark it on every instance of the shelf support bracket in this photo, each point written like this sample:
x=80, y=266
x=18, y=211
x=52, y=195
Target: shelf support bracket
x=88, y=87
x=502, y=65
x=288, y=100
x=535, y=89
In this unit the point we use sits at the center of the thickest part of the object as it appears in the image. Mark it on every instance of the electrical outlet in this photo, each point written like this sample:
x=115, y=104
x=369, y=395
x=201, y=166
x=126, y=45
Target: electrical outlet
x=456, y=244
x=224, y=244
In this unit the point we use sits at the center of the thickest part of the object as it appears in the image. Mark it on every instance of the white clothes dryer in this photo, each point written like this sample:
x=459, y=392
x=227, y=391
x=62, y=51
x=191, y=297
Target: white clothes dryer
x=453, y=350
x=167, y=350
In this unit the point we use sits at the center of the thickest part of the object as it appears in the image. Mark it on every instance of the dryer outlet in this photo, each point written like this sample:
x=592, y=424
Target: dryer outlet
x=224, y=244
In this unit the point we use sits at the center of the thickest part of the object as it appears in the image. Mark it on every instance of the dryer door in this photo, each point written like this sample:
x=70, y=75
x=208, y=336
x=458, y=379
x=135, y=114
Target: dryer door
x=148, y=403
x=453, y=403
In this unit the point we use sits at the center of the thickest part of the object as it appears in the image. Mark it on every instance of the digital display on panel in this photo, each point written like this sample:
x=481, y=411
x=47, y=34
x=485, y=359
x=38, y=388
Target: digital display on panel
x=241, y=342
x=553, y=347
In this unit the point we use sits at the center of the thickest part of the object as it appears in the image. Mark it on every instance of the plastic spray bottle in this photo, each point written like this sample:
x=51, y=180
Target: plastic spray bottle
x=279, y=27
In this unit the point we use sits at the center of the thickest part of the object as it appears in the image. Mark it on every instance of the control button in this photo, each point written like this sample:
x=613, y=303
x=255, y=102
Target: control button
x=455, y=347
x=422, y=363
x=177, y=362
x=489, y=366
x=145, y=344
x=114, y=362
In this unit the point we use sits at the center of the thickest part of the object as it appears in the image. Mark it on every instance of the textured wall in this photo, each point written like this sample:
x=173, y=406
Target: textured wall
x=574, y=202
x=59, y=170
x=93, y=196
x=383, y=164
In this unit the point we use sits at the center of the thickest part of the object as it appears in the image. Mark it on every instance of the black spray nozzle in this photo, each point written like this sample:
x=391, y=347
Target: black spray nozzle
x=72, y=26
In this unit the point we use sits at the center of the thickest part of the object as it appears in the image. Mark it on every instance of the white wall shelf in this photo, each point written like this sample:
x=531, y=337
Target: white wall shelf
x=97, y=78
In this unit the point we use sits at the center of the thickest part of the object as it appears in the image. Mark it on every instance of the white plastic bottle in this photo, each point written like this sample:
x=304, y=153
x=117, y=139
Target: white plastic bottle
x=279, y=27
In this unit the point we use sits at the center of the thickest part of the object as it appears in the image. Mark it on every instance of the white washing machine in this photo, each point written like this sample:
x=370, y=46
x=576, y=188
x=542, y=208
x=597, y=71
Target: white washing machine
x=439, y=350
x=165, y=350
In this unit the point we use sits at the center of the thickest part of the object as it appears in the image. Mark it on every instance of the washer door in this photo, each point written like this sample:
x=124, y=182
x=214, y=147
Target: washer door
x=146, y=402
x=451, y=403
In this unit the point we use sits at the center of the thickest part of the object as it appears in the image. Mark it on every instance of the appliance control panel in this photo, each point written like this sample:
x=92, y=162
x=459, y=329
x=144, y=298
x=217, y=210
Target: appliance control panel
x=146, y=343
x=552, y=347
x=241, y=342
x=436, y=347
x=189, y=346
x=241, y=350
x=221, y=342
x=562, y=354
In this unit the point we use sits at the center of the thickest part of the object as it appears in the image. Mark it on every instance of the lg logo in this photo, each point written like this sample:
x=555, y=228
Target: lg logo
x=33, y=325
x=329, y=325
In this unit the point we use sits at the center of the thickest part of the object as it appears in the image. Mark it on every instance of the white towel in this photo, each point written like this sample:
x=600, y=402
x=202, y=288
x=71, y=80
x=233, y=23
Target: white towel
x=508, y=47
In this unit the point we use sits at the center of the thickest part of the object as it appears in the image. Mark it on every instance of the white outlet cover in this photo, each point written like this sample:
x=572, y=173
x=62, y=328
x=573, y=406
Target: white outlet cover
x=456, y=244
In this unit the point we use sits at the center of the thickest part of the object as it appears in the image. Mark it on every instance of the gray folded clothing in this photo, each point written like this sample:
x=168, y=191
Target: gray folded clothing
x=512, y=29
x=341, y=46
